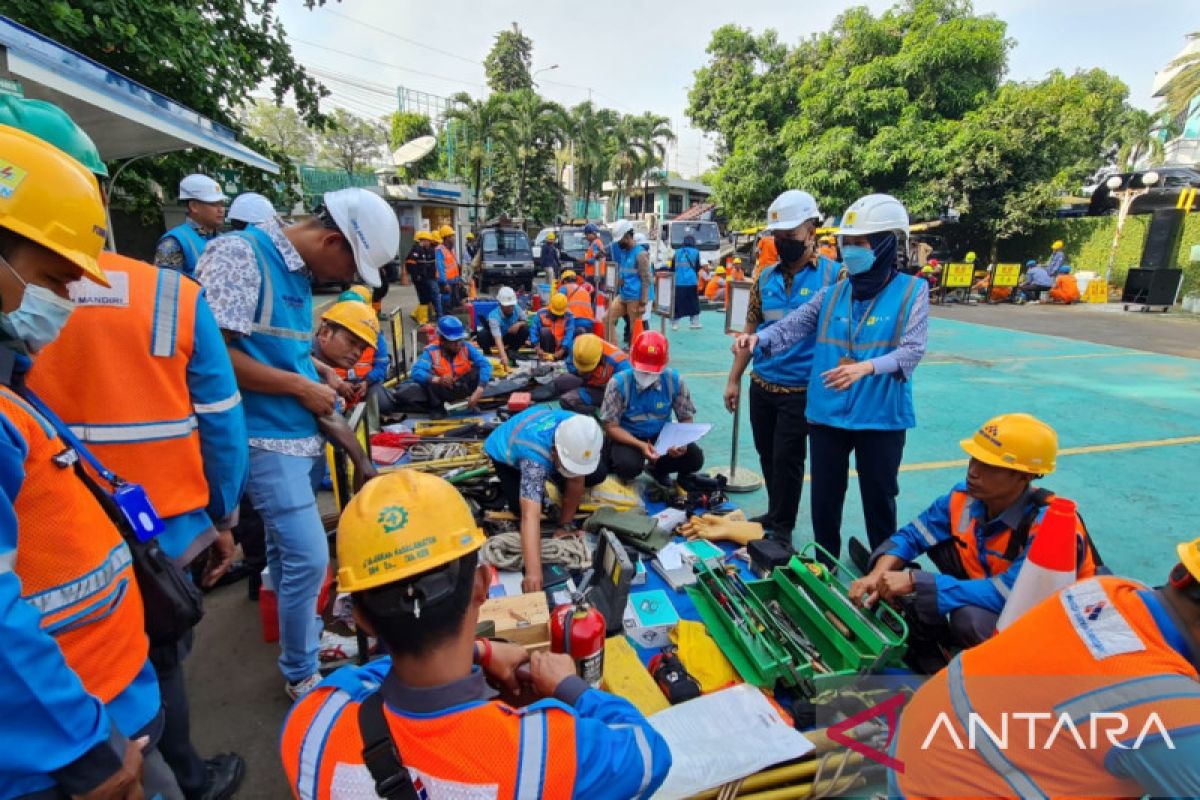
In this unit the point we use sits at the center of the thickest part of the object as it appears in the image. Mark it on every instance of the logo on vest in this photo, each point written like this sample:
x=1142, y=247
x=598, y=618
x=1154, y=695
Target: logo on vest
x=1094, y=611
x=393, y=518
x=86, y=293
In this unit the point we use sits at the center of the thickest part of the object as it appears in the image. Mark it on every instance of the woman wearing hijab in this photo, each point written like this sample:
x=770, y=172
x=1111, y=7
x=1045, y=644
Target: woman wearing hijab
x=686, y=264
x=871, y=329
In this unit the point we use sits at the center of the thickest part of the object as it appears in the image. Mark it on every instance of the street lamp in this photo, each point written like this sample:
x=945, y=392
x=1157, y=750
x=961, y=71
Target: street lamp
x=1125, y=197
x=539, y=71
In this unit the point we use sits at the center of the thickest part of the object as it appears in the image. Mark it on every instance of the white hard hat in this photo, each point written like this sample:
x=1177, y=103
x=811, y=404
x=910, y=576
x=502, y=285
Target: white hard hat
x=506, y=296
x=251, y=208
x=640, y=238
x=620, y=228
x=202, y=188
x=578, y=441
x=792, y=209
x=371, y=227
x=874, y=213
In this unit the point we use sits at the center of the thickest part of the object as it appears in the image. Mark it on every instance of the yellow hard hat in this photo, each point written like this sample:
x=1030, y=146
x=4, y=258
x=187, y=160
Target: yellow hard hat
x=357, y=318
x=361, y=291
x=401, y=525
x=1189, y=556
x=551, y=236
x=470, y=235
x=1020, y=442
x=737, y=261
x=587, y=352
x=51, y=199
x=437, y=237
x=720, y=270
x=445, y=231
x=558, y=304
x=568, y=275
x=423, y=236
x=971, y=257
x=1058, y=245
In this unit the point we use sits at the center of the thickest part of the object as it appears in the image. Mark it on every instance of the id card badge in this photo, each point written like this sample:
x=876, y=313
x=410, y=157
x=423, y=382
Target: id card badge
x=135, y=505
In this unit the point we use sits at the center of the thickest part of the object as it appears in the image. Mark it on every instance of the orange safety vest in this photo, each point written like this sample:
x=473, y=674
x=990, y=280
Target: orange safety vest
x=715, y=285
x=74, y=567
x=486, y=749
x=735, y=274
x=593, y=259
x=962, y=527
x=604, y=371
x=1093, y=648
x=579, y=302
x=359, y=371
x=449, y=368
x=1066, y=289
x=131, y=344
x=449, y=262
x=556, y=325
x=767, y=253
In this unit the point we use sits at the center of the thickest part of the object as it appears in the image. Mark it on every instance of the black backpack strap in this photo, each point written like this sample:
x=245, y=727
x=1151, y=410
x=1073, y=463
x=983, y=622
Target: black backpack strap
x=380, y=755
x=1020, y=537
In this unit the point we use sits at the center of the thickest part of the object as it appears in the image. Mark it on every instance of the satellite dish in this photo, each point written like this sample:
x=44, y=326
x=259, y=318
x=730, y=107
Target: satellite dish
x=414, y=151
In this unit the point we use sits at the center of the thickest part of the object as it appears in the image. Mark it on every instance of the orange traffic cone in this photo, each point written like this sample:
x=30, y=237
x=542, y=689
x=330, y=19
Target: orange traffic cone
x=1050, y=565
x=601, y=315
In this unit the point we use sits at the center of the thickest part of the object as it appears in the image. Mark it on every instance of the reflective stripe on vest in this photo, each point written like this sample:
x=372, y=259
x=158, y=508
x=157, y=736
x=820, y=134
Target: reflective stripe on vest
x=929, y=538
x=843, y=290
x=7, y=561
x=579, y=303
x=987, y=749
x=509, y=445
x=449, y=262
x=593, y=259
x=610, y=361
x=445, y=368
x=191, y=245
x=1133, y=692
x=166, y=306
x=531, y=768
x=307, y=781
x=631, y=279
x=64, y=595
x=793, y=366
x=647, y=411
x=262, y=320
x=136, y=432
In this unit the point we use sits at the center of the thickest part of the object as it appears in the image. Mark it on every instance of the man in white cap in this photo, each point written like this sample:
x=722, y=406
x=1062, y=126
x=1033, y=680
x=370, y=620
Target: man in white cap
x=249, y=208
x=257, y=283
x=180, y=248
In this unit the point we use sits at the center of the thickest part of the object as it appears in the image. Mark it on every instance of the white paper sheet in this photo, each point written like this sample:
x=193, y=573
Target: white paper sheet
x=671, y=556
x=699, y=732
x=680, y=434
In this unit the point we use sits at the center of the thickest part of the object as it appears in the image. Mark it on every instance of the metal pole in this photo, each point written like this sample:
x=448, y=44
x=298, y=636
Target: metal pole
x=737, y=424
x=112, y=185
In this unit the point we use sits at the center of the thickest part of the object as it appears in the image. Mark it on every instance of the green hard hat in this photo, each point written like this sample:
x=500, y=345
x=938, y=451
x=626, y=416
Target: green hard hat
x=50, y=123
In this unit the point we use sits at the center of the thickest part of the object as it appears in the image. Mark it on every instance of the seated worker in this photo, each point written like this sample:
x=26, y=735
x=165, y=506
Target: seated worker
x=1037, y=280
x=424, y=714
x=448, y=371
x=703, y=276
x=372, y=366
x=506, y=327
x=714, y=290
x=580, y=301
x=347, y=330
x=1106, y=647
x=977, y=535
x=553, y=329
x=535, y=446
x=592, y=365
x=1066, y=289
x=637, y=404
x=828, y=247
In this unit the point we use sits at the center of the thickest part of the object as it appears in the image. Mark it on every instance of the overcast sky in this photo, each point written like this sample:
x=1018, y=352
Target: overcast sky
x=638, y=56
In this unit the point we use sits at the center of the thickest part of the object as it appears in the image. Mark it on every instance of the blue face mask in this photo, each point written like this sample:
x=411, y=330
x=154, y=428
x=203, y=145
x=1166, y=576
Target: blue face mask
x=41, y=315
x=857, y=259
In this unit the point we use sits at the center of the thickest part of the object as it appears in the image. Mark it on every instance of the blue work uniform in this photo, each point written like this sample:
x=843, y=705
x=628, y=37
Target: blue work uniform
x=630, y=277
x=647, y=411
x=790, y=367
x=423, y=371
x=191, y=244
x=529, y=436
x=685, y=265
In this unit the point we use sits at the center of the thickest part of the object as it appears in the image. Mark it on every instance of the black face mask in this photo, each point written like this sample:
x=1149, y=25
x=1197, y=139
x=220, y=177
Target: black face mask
x=791, y=251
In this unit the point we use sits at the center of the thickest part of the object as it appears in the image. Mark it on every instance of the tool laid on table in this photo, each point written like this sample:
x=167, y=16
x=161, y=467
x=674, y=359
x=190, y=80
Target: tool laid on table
x=672, y=678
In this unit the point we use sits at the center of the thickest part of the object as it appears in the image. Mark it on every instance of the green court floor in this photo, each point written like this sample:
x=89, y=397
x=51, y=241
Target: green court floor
x=1128, y=423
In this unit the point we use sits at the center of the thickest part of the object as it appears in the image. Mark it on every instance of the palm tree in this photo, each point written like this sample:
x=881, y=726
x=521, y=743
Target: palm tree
x=1184, y=86
x=482, y=119
x=627, y=155
x=530, y=123
x=590, y=133
x=652, y=132
x=1140, y=137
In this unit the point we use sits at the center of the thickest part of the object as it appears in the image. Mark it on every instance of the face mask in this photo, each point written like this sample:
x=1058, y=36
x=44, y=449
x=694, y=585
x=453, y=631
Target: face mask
x=644, y=379
x=857, y=259
x=791, y=250
x=41, y=316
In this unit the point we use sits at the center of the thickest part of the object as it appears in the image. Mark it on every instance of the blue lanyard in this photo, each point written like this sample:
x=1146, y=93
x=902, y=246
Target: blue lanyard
x=70, y=438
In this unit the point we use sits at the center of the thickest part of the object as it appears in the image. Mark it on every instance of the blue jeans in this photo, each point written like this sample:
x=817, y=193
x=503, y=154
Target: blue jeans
x=281, y=489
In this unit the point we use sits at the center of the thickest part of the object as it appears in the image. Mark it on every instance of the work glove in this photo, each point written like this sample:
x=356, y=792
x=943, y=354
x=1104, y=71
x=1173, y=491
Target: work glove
x=725, y=529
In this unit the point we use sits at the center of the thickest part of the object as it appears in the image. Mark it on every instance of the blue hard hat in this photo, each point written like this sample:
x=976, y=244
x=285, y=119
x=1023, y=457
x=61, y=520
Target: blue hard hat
x=450, y=329
x=1031, y=263
x=590, y=228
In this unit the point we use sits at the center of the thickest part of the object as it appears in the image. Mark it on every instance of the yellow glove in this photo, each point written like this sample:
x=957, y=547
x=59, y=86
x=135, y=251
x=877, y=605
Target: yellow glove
x=725, y=529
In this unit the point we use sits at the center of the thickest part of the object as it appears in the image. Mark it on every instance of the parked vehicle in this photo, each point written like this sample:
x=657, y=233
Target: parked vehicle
x=506, y=259
x=671, y=236
x=570, y=240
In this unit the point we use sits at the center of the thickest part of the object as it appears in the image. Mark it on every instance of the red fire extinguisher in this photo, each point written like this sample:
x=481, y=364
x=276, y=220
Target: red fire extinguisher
x=577, y=629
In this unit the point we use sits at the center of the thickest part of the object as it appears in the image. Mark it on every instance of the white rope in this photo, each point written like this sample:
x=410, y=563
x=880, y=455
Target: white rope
x=503, y=551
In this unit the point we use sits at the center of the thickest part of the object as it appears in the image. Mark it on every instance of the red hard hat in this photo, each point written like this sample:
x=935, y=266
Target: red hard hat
x=649, y=353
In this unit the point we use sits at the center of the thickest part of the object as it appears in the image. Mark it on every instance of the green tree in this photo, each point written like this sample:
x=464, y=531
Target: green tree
x=751, y=176
x=404, y=126
x=1140, y=137
x=652, y=132
x=590, y=132
x=533, y=127
x=1184, y=86
x=626, y=156
x=208, y=55
x=508, y=63
x=350, y=143
x=280, y=127
x=1011, y=159
x=480, y=120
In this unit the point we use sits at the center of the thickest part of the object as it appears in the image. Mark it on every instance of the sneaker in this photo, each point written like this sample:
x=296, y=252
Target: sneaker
x=674, y=326
x=302, y=687
x=695, y=326
x=335, y=647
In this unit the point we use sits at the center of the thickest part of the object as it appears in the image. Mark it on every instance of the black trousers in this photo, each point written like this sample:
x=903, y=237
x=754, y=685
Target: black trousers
x=176, y=742
x=413, y=397
x=781, y=438
x=877, y=456
x=547, y=341
x=628, y=462
x=510, y=482
x=574, y=396
x=512, y=341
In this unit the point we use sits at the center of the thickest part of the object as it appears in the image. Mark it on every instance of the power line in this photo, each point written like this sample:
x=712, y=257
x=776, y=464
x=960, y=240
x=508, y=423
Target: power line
x=416, y=42
x=348, y=54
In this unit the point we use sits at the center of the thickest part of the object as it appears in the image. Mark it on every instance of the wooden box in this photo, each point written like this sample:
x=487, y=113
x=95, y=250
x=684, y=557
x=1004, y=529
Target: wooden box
x=524, y=619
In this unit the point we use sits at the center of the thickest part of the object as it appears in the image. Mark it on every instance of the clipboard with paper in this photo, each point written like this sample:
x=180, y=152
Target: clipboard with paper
x=680, y=434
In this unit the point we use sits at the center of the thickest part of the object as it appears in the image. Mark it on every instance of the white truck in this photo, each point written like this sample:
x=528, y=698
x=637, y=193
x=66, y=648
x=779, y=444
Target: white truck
x=671, y=236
